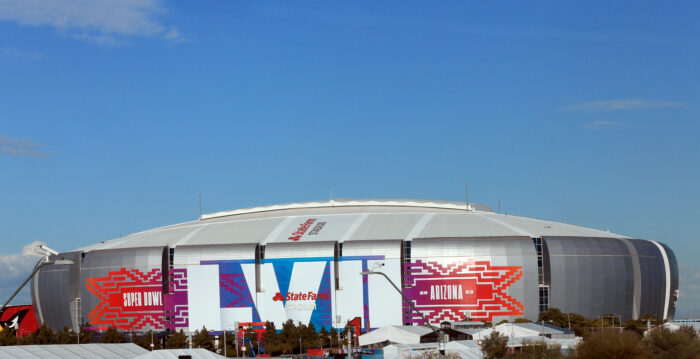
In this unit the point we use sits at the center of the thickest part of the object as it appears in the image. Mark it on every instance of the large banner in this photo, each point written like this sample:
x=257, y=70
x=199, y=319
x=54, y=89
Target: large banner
x=217, y=294
x=132, y=300
x=454, y=290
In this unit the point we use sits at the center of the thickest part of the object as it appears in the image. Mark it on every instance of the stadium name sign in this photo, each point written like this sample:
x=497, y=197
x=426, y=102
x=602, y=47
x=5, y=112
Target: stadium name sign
x=302, y=229
x=296, y=235
x=300, y=296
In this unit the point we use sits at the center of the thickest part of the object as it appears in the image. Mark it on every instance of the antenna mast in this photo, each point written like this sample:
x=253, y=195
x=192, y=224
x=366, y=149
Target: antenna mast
x=466, y=193
x=200, y=206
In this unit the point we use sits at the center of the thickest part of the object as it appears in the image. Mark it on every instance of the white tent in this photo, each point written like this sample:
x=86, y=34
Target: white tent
x=520, y=330
x=395, y=334
x=675, y=325
x=467, y=349
x=197, y=353
x=405, y=351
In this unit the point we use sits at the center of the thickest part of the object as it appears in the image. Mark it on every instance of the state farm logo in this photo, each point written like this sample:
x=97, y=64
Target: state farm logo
x=291, y=296
x=296, y=235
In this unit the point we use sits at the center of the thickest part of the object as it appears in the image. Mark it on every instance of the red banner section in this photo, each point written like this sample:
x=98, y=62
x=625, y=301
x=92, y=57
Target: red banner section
x=455, y=290
x=129, y=299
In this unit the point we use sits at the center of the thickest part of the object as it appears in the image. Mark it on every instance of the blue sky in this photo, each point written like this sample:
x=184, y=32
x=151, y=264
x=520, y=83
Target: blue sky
x=115, y=114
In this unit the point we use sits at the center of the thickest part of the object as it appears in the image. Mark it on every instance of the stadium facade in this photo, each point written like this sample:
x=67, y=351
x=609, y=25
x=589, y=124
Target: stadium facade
x=303, y=261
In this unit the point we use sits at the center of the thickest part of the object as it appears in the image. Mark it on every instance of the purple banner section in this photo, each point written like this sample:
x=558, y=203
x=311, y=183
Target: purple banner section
x=175, y=302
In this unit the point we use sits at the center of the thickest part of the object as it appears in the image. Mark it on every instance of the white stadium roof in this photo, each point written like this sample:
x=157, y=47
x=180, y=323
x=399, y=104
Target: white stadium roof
x=349, y=220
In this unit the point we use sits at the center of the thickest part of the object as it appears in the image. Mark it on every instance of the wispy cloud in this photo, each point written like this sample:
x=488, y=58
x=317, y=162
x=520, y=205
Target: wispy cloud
x=15, y=268
x=21, y=54
x=107, y=22
x=689, y=299
x=21, y=147
x=604, y=125
x=621, y=105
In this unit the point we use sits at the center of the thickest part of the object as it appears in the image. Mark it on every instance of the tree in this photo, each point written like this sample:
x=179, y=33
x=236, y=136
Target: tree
x=434, y=354
x=230, y=343
x=253, y=336
x=666, y=344
x=308, y=335
x=579, y=324
x=144, y=341
x=324, y=338
x=202, y=339
x=177, y=340
x=66, y=336
x=42, y=336
x=112, y=335
x=495, y=346
x=538, y=349
x=86, y=336
x=287, y=339
x=334, y=337
x=7, y=337
x=611, y=345
x=689, y=330
x=270, y=340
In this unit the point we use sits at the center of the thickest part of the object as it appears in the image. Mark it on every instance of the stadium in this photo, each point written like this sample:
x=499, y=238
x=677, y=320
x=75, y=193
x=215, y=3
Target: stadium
x=303, y=261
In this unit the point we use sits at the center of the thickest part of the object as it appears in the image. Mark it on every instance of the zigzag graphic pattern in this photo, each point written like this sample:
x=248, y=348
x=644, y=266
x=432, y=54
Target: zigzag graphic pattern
x=492, y=298
x=105, y=315
x=176, y=305
x=235, y=284
x=235, y=292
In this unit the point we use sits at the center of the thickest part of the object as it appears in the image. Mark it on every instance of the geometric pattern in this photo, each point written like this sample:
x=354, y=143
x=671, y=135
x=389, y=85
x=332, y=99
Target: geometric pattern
x=322, y=316
x=234, y=291
x=112, y=291
x=454, y=290
x=175, y=303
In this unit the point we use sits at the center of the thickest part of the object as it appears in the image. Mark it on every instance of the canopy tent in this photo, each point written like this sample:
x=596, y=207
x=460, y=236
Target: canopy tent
x=197, y=353
x=467, y=349
x=395, y=334
x=519, y=330
x=405, y=351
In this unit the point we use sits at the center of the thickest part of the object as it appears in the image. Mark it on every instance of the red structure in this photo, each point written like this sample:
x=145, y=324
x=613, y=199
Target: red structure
x=19, y=318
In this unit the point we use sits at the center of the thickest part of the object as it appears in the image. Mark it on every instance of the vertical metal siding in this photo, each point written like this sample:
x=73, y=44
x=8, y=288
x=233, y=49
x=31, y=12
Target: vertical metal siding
x=591, y=276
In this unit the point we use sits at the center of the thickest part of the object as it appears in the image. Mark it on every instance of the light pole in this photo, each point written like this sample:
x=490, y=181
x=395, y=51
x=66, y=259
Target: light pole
x=441, y=348
x=613, y=316
x=44, y=261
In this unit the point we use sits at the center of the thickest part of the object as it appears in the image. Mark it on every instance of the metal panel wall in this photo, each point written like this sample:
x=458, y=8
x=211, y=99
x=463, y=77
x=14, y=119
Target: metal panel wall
x=54, y=292
x=373, y=299
x=123, y=288
x=673, y=295
x=653, y=281
x=591, y=276
x=491, y=278
x=195, y=255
